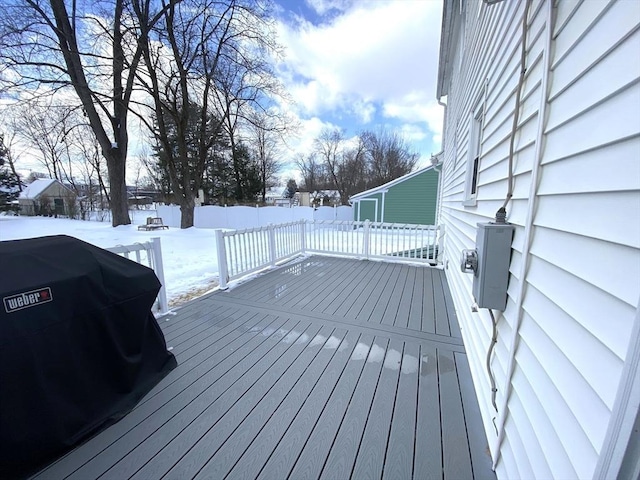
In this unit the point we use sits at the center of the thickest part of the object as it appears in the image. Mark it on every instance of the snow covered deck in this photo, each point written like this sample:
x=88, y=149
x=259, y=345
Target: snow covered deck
x=324, y=368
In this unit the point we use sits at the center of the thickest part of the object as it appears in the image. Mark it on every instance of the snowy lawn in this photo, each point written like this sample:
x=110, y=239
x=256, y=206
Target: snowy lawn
x=189, y=256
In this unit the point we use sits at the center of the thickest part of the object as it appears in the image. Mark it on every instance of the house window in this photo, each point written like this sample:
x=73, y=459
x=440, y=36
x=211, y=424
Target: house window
x=473, y=165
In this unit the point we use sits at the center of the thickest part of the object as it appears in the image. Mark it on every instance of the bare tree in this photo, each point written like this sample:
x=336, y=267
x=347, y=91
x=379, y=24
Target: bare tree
x=47, y=128
x=180, y=82
x=245, y=83
x=156, y=176
x=345, y=166
x=264, y=140
x=388, y=156
x=50, y=46
x=91, y=166
x=374, y=159
x=65, y=146
x=206, y=72
x=329, y=146
x=313, y=172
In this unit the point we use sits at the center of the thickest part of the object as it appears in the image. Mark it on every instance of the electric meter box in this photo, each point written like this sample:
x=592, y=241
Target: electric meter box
x=491, y=276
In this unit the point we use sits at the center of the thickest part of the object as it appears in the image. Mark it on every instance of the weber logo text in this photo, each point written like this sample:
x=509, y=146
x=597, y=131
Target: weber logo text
x=27, y=299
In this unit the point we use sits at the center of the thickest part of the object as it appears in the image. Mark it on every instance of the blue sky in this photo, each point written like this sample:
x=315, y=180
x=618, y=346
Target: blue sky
x=361, y=64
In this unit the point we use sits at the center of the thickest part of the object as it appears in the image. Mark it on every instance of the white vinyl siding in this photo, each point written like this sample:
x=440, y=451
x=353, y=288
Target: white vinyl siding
x=581, y=268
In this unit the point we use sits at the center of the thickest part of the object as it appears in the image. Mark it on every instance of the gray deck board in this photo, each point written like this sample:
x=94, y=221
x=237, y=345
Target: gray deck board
x=408, y=296
x=457, y=459
x=287, y=455
x=428, y=303
x=397, y=312
x=360, y=274
x=370, y=292
x=150, y=435
x=454, y=326
x=322, y=368
x=400, y=449
x=333, y=286
x=428, y=458
x=345, y=447
x=316, y=288
x=354, y=324
x=254, y=457
x=342, y=289
x=442, y=319
x=372, y=311
x=310, y=462
x=373, y=446
x=415, y=307
x=364, y=284
x=252, y=394
x=480, y=458
x=387, y=312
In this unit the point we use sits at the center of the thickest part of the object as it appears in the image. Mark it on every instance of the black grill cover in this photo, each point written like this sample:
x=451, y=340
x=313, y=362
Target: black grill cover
x=79, y=346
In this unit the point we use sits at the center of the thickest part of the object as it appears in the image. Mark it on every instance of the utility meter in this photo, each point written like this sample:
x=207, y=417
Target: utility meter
x=469, y=261
x=489, y=263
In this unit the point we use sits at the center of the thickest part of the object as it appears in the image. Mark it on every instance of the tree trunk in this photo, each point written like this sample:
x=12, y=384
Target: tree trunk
x=118, y=188
x=187, y=210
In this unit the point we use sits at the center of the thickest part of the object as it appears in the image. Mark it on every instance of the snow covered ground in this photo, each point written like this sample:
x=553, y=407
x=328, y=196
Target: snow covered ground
x=189, y=256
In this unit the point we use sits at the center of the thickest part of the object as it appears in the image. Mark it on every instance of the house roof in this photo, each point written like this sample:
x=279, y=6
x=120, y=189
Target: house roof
x=390, y=184
x=35, y=188
x=275, y=191
x=323, y=193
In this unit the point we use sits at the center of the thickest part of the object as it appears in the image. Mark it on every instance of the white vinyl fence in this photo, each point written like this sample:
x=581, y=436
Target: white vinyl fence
x=241, y=252
x=150, y=255
x=242, y=217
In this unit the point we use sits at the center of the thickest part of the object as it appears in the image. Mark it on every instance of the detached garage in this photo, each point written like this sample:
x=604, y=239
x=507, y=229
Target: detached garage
x=412, y=199
x=46, y=196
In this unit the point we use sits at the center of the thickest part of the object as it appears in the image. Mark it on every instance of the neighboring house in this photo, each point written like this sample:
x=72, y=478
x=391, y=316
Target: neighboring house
x=303, y=198
x=134, y=193
x=274, y=194
x=411, y=198
x=46, y=196
x=568, y=344
x=324, y=198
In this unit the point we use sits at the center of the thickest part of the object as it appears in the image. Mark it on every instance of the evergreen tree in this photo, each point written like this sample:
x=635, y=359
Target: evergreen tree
x=248, y=183
x=203, y=157
x=292, y=188
x=9, y=181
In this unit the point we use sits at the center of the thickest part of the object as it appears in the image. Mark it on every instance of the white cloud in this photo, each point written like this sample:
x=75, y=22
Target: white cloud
x=373, y=52
x=309, y=130
x=410, y=107
x=416, y=109
x=413, y=133
x=321, y=7
x=364, y=110
x=435, y=120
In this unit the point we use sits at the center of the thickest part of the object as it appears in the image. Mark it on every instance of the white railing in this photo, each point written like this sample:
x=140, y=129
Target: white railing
x=241, y=252
x=150, y=255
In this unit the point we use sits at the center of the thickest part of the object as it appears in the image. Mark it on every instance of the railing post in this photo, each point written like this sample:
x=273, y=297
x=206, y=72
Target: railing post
x=440, y=236
x=272, y=245
x=223, y=270
x=366, y=238
x=159, y=269
x=303, y=236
